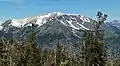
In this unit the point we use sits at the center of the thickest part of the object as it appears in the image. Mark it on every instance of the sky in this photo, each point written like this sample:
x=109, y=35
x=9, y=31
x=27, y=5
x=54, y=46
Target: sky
x=19, y=9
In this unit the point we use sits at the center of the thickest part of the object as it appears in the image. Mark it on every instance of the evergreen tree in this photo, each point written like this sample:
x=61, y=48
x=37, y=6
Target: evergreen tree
x=94, y=51
x=32, y=55
x=58, y=52
x=45, y=57
x=3, y=55
x=32, y=52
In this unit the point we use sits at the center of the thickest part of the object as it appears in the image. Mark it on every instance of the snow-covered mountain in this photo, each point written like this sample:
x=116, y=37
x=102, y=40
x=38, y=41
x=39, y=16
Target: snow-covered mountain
x=56, y=27
x=53, y=27
x=74, y=21
x=49, y=22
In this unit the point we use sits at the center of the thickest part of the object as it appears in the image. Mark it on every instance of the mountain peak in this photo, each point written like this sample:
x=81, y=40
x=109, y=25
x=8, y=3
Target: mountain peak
x=75, y=21
x=114, y=23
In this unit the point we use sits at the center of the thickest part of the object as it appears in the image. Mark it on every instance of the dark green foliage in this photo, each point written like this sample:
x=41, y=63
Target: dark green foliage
x=32, y=37
x=45, y=56
x=3, y=58
x=117, y=62
x=58, y=52
x=32, y=55
x=94, y=50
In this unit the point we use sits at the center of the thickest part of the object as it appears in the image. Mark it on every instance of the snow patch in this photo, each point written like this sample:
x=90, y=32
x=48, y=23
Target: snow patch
x=40, y=19
x=63, y=22
x=82, y=26
x=71, y=14
x=1, y=27
x=71, y=25
x=74, y=32
x=28, y=25
x=84, y=19
x=58, y=13
x=17, y=23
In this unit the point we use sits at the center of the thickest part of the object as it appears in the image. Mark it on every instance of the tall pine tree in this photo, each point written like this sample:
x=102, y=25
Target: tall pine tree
x=32, y=52
x=94, y=51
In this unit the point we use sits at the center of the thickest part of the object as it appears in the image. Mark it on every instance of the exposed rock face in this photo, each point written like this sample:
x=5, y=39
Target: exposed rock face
x=57, y=27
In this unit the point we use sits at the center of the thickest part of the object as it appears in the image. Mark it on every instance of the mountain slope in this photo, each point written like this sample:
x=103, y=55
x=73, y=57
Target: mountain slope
x=54, y=28
x=56, y=22
x=51, y=28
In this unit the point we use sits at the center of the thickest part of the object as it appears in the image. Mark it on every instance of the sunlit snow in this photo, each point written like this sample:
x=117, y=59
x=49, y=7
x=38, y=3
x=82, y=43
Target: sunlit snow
x=1, y=27
x=42, y=19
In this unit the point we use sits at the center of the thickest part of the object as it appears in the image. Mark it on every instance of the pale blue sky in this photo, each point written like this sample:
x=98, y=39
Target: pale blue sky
x=25, y=8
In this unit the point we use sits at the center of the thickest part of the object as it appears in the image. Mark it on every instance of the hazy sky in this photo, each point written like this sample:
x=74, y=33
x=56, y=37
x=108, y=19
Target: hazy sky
x=25, y=8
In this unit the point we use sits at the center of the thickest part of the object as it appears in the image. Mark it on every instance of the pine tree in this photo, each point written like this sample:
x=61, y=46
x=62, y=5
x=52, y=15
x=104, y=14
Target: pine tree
x=32, y=52
x=32, y=55
x=3, y=57
x=94, y=51
x=58, y=52
x=45, y=57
